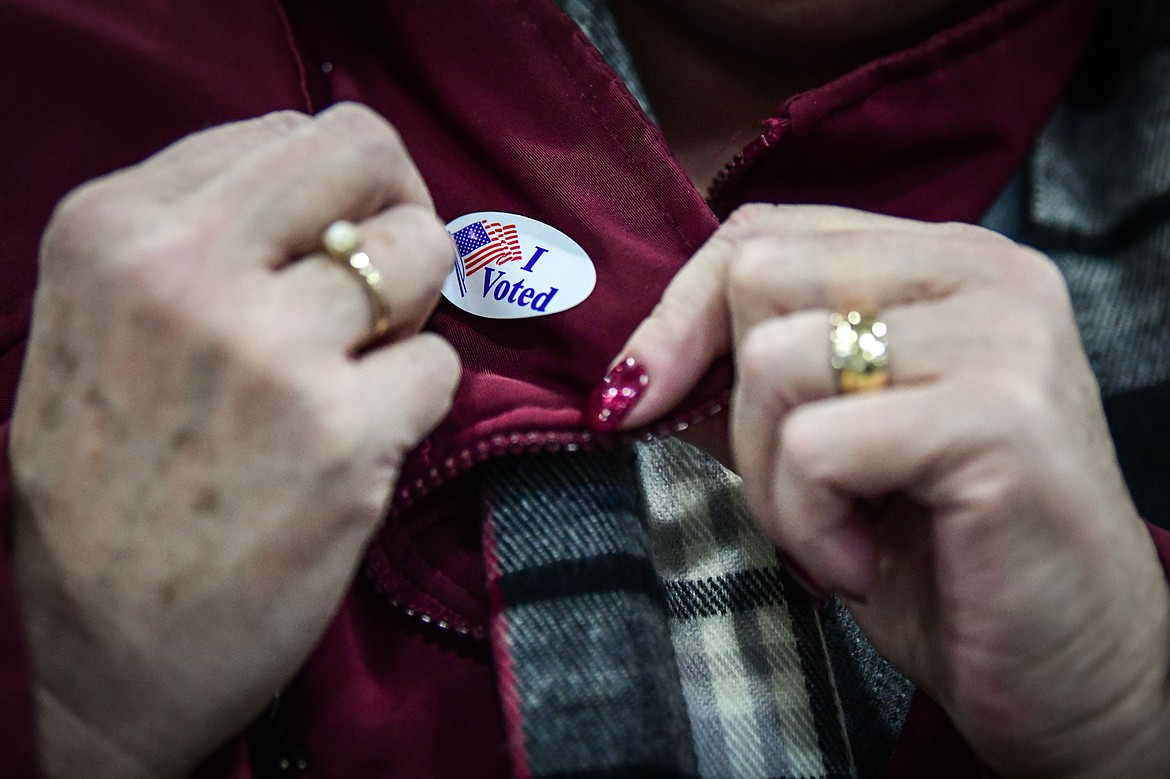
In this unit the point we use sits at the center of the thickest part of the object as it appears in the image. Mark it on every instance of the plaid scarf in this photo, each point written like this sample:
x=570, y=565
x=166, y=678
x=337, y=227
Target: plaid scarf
x=750, y=652
x=637, y=636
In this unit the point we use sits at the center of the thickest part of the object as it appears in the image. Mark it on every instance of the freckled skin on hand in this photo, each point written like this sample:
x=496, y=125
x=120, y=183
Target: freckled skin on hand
x=205, y=434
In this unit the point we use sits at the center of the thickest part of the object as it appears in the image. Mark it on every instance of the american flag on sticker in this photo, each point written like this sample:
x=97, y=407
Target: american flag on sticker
x=484, y=242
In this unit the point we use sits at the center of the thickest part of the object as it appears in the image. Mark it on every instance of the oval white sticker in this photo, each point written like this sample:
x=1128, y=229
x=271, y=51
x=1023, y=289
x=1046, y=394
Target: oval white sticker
x=512, y=267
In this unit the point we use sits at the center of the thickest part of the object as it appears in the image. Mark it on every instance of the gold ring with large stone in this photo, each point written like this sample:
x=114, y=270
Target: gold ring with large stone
x=859, y=351
x=342, y=241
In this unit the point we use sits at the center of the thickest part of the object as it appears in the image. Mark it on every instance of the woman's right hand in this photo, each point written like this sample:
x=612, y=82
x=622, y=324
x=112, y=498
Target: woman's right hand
x=971, y=515
x=199, y=457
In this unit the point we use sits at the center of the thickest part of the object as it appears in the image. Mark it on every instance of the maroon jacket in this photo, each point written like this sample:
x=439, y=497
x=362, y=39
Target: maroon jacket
x=505, y=107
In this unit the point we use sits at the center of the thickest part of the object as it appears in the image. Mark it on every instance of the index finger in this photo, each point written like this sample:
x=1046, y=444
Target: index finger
x=769, y=261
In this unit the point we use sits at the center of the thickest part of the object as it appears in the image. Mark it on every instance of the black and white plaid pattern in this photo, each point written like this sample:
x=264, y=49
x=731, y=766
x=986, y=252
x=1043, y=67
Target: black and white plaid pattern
x=673, y=645
x=738, y=635
x=588, y=676
x=747, y=640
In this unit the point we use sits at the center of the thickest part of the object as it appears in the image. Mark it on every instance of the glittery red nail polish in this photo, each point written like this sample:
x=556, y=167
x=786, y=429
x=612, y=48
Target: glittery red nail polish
x=621, y=388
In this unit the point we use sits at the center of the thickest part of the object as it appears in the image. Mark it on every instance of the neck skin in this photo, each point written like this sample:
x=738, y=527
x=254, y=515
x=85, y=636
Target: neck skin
x=710, y=86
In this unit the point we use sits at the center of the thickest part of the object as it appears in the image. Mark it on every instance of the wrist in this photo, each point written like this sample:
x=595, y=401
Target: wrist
x=1099, y=703
x=1143, y=749
x=70, y=746
x=92, y=719
x=1132, y=737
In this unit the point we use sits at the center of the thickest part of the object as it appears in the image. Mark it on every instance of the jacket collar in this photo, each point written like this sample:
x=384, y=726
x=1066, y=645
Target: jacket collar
x=933, y=132
x=530, y=119
x=510, y=108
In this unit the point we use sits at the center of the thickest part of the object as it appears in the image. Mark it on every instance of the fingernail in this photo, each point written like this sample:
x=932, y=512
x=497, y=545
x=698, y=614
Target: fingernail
x=618, y=392
x=804, y=579
x=849, y=556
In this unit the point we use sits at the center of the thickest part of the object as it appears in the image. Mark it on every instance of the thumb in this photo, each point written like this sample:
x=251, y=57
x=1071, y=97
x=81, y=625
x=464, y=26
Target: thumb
x=672, y=349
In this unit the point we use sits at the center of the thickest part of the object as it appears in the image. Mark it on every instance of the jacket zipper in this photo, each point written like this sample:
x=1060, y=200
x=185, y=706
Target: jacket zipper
x=460, y=629
x=502, y=444
x=773, y=130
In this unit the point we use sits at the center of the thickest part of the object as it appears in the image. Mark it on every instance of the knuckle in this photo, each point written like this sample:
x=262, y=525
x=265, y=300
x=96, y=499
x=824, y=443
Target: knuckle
x=362, y=125
x=799, y=448
x=1044, y=280
x=969, y=233
x=1029, y=271
x=1014, y=404
x=1019, y=398
x=440, y=365
x=755, y=260
x=366, y=145
x=756, y=358
x=764, y=381
x=283, y=122
x=380, y=148
x=155, y=276
x=332, y=423
x=88, y=216
x=432, y=239
x=356, y=140
x=160, y=252
x=748, y=217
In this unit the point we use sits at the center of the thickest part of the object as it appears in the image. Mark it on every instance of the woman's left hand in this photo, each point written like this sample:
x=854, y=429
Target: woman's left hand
x=971, y=515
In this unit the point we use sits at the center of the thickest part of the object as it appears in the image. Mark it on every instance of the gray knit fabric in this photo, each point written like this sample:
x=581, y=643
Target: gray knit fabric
x=1096, y=163
x=874, y=695
x=596, y=21
x=1094, y=199
x=667, y=643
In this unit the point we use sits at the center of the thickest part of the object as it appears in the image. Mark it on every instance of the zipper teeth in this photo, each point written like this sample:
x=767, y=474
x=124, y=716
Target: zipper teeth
x=774, y=129
x=463, y=630
x=518, y=443
x=502, y=444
